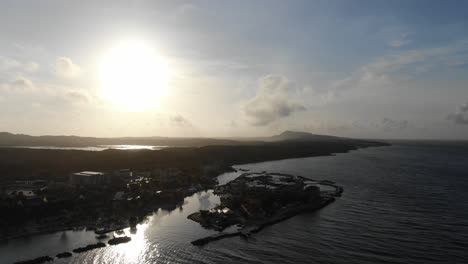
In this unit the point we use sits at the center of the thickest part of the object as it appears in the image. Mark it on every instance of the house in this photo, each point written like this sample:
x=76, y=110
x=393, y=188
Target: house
x=119, y=200
x=123, y=173
x=120, y=196
x=167, y=176
x=29, y=193
x=27, y=189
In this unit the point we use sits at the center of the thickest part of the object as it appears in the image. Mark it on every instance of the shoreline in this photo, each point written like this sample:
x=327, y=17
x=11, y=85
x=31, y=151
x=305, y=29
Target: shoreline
x=86, y=225
x=83, y=226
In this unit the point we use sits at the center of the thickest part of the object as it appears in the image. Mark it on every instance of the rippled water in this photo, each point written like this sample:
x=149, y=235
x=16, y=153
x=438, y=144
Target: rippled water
x=402, y=204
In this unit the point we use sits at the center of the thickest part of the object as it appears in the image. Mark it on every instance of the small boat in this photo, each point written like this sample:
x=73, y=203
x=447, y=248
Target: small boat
x=102, y=236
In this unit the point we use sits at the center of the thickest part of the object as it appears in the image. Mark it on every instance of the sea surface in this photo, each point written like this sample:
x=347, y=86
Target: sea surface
x=407, y=203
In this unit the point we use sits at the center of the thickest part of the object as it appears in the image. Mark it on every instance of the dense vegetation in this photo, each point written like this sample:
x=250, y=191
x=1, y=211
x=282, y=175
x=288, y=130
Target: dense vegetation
x=23, y=163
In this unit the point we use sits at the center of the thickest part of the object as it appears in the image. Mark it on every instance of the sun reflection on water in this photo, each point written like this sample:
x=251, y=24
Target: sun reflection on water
x=133, y=251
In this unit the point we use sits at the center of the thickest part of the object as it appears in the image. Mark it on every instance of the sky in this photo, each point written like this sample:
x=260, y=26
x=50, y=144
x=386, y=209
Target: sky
x=364, y=69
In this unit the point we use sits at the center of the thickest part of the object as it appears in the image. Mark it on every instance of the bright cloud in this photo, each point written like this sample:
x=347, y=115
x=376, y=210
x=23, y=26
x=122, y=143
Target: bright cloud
x=65, y=68
x=272, y=101
x=19, y=84
x=179, y=121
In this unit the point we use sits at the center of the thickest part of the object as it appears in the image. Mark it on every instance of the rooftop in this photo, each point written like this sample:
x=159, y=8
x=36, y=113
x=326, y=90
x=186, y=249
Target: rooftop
x=88, y=173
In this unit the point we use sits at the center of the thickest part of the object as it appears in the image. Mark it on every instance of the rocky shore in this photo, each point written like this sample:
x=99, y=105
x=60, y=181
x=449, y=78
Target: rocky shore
x=64, y=255
x=113, y=241
x=89, y=247
x=38, y=260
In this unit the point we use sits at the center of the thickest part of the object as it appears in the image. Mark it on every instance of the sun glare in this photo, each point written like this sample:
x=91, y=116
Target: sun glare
x=133, y=76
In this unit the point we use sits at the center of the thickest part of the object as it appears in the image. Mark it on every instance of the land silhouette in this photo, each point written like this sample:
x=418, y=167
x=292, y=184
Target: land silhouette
x=187, y=153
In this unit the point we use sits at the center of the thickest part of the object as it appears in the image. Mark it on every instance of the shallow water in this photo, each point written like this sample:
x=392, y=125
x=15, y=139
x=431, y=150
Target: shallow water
x=402, y=204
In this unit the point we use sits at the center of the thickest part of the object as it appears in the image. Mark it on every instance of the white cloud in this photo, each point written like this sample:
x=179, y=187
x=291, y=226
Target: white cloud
x=65, y=68
x=272, y=101
x=186, y=9
x=461, y=115
x=400, y=41
x=76, y=96
x=391, y=69
x=179, y=121
x=31, y=66
x=391, y=124
x=9, y=64
x=19, y=84
x=23, y=83
x=385, y=124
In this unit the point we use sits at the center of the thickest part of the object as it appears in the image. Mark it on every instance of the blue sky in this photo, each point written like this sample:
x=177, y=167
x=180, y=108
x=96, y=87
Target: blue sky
x=377, y=69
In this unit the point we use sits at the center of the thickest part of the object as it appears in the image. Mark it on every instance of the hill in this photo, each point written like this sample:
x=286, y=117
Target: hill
x=301, y=136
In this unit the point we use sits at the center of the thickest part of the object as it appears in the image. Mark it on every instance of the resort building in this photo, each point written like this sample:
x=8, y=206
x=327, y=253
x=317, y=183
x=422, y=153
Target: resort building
x=88, y=178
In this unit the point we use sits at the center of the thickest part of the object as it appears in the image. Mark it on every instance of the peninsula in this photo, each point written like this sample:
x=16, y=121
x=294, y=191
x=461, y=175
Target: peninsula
x=255, y=200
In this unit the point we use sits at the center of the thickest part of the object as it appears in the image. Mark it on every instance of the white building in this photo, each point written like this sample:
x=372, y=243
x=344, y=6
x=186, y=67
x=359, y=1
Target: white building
x=88, y=178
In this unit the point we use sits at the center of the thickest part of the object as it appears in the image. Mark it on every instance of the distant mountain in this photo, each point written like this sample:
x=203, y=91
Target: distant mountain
x=301, y=136
x=12, y=140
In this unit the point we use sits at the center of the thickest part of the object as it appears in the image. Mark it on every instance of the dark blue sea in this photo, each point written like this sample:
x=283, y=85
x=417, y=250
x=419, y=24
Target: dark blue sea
x=407, y=203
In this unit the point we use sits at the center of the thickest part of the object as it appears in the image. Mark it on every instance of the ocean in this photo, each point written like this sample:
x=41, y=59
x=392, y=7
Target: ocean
x=406, y=203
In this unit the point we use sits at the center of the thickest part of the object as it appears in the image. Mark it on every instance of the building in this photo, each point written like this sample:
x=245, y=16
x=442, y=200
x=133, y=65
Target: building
x=166, y=176
x=119, y=200
x=28, y=193
x=25, y=188
x=124, y=173
x=31, y=184
x=88, y=178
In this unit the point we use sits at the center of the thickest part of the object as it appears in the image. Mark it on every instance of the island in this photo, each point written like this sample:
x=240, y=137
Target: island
x=258, y=199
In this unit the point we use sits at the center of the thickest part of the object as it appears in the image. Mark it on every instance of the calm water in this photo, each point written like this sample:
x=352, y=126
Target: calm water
x=402, y=204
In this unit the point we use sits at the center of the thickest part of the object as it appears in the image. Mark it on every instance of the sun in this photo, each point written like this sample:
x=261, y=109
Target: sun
x=133, y=76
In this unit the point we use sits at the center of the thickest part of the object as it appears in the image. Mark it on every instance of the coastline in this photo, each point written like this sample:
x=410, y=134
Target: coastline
x=90, y=226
